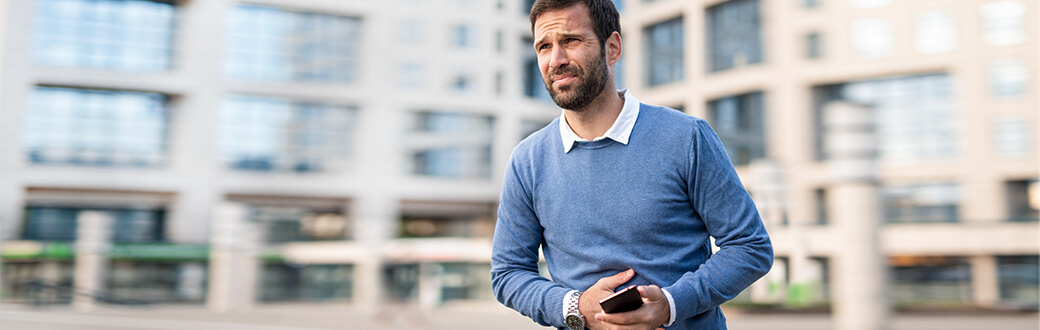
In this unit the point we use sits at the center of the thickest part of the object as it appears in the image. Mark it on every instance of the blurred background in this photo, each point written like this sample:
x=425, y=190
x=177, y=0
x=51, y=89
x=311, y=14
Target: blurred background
x=235, y=155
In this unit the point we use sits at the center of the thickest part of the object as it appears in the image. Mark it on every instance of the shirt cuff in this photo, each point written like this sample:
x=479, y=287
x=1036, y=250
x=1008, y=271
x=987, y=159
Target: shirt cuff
x=671, y=308
x=567, y=298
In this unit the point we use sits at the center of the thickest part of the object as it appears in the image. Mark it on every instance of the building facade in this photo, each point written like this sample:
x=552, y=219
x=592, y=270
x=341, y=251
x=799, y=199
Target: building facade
x=362, y=142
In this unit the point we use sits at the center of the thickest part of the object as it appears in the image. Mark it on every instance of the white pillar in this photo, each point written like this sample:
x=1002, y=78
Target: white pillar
x=769, y=194
x=861, y=301
x=985, y=285
x=376, y=220
x=233, y=262
x=93, y=241
x=429, y=285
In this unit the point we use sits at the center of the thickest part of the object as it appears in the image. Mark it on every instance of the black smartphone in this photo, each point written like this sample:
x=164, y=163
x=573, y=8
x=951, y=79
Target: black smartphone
x=628, y=299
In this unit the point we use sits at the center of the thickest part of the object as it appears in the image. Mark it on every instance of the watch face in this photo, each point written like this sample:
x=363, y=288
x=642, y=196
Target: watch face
x=574, y=322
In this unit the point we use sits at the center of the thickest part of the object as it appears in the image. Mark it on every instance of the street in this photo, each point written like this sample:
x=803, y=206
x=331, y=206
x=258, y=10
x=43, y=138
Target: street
x=476, y=316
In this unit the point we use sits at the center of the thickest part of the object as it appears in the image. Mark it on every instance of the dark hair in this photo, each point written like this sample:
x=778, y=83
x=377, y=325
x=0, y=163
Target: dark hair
x=605, y=18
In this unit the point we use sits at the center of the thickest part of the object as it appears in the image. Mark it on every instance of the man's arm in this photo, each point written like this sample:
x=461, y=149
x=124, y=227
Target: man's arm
x=514, y=257
x=745, y=252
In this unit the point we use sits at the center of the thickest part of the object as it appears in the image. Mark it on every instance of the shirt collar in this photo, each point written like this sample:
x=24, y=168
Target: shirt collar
x=620, y=131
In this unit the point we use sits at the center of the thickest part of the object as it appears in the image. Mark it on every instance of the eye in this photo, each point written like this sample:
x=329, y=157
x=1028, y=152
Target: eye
x=570, y=40
x=542, y=47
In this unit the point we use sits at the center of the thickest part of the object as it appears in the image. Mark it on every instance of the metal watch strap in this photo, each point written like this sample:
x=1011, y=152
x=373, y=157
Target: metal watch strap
x=572, y=309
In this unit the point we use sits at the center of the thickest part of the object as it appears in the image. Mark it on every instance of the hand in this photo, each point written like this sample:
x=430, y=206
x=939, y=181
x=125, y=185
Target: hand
x=588, y=303
x=653, y=314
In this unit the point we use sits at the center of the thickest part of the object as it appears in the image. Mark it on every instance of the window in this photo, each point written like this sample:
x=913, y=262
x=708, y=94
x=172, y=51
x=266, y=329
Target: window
x=813, y=47
x=450, y=145
x=120, y=35
x=284, y=224
x=734, y=35
x=96, y=127
x=1011, y=137
x=272, y=44
x=411, y=75
x=307, y=282
x=936, y=32
x=739, y=122
x=272, y=134
x=869, y=3
x=534, y=86
x=528, y=127
x=810, y=3
x=156, y=281
x=464, y=281
x=873, y=37
x=935, y=202
x=1003, y=23
x=47, y=223
x=934, y=279
x=412, y=32
x=462, y=36
x=1007, y=78
x=1023, y=200
x=1018, y=278
x=915, y=115
x=443, y=219
x=664, y=49
x=820, y=201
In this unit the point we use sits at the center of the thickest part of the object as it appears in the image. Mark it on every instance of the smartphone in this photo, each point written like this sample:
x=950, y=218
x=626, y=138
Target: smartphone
x=628, y=299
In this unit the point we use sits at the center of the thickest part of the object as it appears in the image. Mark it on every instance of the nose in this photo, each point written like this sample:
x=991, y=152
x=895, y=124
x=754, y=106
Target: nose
x=558, y=58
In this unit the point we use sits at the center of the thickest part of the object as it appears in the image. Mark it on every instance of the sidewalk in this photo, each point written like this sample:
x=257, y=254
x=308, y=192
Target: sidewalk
x=476, y=316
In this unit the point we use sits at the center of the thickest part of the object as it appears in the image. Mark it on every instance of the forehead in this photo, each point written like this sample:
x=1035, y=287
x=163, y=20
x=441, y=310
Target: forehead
x=571, y=20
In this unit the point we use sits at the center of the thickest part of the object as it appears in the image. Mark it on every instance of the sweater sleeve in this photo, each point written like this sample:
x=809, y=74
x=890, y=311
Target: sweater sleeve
x=514, y=257
x=730, y=216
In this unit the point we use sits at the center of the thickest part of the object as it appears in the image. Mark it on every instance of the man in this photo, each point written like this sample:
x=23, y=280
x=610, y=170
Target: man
x=629, y=197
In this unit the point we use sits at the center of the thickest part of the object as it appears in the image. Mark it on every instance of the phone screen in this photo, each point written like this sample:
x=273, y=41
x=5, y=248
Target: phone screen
x=628, y=299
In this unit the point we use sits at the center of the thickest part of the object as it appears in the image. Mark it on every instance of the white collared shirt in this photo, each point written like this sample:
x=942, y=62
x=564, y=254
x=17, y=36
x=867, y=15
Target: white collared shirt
x=620, y=131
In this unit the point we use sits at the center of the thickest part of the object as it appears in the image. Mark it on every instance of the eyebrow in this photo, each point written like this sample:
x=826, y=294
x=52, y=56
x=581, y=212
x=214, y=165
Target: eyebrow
x=562, y=35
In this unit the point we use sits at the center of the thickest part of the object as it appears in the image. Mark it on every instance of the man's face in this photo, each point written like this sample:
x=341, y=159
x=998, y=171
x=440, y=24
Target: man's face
x=570, y=57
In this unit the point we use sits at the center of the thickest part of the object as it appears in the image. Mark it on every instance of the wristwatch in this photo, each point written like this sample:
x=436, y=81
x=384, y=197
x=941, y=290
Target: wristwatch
x=573, y=318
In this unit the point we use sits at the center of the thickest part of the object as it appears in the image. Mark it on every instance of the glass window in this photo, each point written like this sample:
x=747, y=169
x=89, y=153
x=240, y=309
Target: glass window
x=1008, y=78
x=464, y=281
x=739, y=121
x=869, y=3
x=930, y=279
x=810, y=3
x=18, y=276
x=935, y=202
x=936, y=32
x=46, y=223
x=664, y=49
x=916, y=118
x=734, y=34
x=450, y=145
x=156, y=281
x=1011, y=137
x=272, y=134
x=96, y=127
x=272, y=44
x=411, y=75
x=820, y=202
x=305, y=282
x=1023, y=200
x=534, y=86
x=462, y=36
x=1019, y=278
x=283, y=224
x=873, y=37
x=439, y=219
x=1003, y=23
x=121, y=35
x=412, y=32
x=528, y=127
x=813, y=45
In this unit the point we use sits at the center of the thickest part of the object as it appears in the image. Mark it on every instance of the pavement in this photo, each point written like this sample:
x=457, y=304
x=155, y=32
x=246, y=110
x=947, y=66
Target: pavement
x=462, y=317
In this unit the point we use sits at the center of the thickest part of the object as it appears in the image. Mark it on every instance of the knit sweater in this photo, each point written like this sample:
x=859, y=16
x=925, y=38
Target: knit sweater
x=604, y=207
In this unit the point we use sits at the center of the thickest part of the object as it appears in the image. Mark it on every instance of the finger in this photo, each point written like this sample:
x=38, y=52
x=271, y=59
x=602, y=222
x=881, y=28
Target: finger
x=613, y=281
x=627, y=318
x=650, y=292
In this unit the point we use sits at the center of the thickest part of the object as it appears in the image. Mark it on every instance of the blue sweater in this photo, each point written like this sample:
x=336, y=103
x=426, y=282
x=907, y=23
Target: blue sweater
x=605, y=207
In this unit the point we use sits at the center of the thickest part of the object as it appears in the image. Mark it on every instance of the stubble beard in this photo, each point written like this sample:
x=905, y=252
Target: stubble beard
x=590, y=84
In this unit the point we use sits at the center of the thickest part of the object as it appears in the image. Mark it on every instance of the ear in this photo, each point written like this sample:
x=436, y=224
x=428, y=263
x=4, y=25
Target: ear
x=613, y=48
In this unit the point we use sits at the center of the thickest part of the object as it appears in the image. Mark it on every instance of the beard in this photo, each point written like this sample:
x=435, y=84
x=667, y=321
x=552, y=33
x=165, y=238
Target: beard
x=587, y=85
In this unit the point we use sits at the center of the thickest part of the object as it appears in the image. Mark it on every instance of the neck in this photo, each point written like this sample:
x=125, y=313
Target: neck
x=598, y=116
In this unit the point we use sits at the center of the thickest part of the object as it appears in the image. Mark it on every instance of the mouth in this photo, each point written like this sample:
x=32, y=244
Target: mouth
x=563, y=79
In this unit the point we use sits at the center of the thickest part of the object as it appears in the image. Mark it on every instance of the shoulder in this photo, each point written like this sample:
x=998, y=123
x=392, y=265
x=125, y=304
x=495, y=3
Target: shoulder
x=670, y=122
x=540, y=141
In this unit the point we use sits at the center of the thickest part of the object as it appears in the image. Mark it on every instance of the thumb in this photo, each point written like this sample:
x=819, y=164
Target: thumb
x=650, y=292
x=612, y=282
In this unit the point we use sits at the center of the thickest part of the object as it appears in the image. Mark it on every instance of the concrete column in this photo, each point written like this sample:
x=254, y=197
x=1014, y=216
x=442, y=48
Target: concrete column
x=377, y=217
x=93, y=241
x=861, y=301
x=233, y=262
x=769, y=194
x=429, y=285
x=985, y=283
